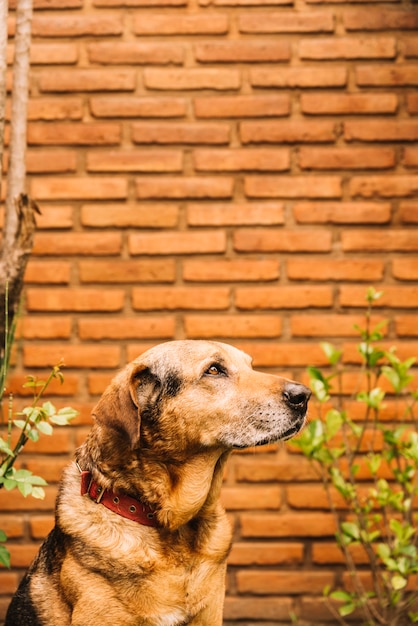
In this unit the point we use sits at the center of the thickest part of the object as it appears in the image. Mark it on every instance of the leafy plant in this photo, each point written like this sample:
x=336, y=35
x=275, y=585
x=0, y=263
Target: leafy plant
x=33, y=421
x=377, y=516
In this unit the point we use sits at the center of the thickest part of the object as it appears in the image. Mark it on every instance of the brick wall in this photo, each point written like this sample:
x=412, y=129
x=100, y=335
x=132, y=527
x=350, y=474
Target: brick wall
x=230, y=169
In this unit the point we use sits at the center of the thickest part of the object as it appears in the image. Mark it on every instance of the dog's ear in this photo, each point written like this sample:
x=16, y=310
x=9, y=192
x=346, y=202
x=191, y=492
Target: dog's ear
x=120, y=406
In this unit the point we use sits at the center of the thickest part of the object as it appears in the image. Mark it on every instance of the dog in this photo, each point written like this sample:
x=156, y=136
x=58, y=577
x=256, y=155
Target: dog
x=140, y=537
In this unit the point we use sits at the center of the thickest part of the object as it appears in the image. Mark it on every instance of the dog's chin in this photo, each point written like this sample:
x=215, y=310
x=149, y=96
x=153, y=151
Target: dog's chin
x=293, y=430
x=273, y=438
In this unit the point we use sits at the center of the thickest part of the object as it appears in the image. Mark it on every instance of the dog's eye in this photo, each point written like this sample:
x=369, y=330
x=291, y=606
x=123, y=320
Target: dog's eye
x=215, y=370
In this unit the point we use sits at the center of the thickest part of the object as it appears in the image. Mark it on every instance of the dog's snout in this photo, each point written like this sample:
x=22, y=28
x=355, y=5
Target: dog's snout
x=296, y=395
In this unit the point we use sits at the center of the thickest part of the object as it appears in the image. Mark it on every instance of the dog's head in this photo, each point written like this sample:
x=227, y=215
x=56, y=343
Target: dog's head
x=190, y=395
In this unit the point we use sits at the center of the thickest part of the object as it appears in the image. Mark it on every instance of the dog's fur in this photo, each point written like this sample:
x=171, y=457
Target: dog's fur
x=162, y=433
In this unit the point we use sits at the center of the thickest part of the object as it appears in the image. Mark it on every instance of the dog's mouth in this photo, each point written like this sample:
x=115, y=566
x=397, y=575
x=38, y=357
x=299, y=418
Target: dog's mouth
x=294, y=429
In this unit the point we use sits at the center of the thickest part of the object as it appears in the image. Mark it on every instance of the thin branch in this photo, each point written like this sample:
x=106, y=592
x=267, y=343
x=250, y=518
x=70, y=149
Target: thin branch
x=3, y=67
x=17, y=168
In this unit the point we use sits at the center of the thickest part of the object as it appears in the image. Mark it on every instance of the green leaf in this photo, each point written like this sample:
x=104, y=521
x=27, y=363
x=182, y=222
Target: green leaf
x=45, y=428
x=331, y=352
x=341, y=596
x=4, y=556
x=347, y=609
x=38, y=493
x=350, y=529
x=333, y=421
x=48, y=409
x=24, y=488
x=398, y=582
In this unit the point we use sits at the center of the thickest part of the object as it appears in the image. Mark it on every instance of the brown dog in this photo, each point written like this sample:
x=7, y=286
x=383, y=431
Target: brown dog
x=140, y=536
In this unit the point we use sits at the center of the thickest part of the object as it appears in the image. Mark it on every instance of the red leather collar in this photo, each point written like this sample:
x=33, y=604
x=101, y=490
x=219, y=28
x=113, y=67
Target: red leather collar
x=123, y=505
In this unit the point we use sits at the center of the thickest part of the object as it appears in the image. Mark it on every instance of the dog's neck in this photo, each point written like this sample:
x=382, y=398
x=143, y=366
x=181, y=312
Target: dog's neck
x=194, y=492
x=177, y=493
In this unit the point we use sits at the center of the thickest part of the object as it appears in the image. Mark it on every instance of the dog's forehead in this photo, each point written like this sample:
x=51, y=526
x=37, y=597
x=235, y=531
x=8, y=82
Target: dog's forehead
x=188, y=354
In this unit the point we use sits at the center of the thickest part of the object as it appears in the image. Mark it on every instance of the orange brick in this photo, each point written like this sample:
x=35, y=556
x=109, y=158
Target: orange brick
x=372, y=76
x=129, y=271
x=76, y=299
x=49, y=272
x=41, y=525
x=325, y=325
x=135, y=53
x=284, y=355
x=405, y=269
x=97, y=383
x=51, y=327
x=198, y=24
x=385, y=130
x=22, y=555
x=412, y=103
x=178, y=243
x=244, y=498
x=259, y=553
x=69, y=387
x=273, y=582
x=54, y=53
x=185, y=79
x=75, y=188
x=87, y=80
x=297, y=22
x=338, y=269
x=348, y=104
x=250, y=608
x=291, y=77
x=157, y=298
x=393, y=296
x=55, y=216
x=125, y=216
x=14, y=504
x=60, y=133
x=12, y=525
x=330, y=553
x=410, y=157
x=201, y=326
x=283, y=297
x=410, y=48
x=346, y=158
x=180, y=133
x=342, y=212
x=76, y=25
x=131, y=106
x=380, y=19
x=241, y=160
x=74, y=243
x=231, y=270
x=287, y=132
x=242, y=51
x=184, y=187
x=269, y=240
x=325, y=48
x=126, y=328
x=287, y=525
x=242, y=106
x=406, y=325
x=384, y=186
x=51, y=161
x=402, y=240
x=245, y=214
x=50, y=108
x=82, y=356
x=135, y=161
x=284, y=468
x=408, y=212
x=292, y=186
x=49, y=468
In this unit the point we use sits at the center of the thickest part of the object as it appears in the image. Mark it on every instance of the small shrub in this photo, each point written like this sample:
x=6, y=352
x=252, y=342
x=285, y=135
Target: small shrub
x=379, y=514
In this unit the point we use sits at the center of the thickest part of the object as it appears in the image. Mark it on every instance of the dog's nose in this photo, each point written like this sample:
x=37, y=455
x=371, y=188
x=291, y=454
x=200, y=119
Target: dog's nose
x=296, y=395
